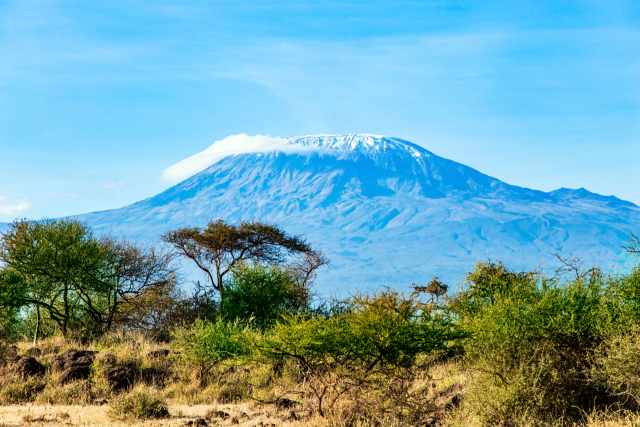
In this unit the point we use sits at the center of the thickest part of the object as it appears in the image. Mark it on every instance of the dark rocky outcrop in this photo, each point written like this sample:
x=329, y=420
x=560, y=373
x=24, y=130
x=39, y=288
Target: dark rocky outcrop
x=119, y=377
x=72, y=358
x=74, y=373
x=26, y=366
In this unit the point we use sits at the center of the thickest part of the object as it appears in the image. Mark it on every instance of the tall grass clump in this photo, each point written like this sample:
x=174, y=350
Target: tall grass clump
x=141, y=403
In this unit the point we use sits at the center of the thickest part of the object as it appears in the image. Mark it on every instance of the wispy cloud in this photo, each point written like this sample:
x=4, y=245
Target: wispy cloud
x=231, y=145
x=11, y=208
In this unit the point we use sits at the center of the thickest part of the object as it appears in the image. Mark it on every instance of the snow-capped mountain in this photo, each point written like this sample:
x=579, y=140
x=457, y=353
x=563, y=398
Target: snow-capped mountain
x=388, y=212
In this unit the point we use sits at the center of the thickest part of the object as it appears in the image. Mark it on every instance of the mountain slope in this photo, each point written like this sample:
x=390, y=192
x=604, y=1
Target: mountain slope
x=388, y=212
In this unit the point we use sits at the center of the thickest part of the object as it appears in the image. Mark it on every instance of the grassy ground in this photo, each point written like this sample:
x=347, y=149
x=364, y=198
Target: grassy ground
x=243, y=415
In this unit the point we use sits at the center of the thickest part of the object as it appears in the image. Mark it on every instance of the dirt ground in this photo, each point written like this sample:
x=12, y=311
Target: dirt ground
x=243, y=415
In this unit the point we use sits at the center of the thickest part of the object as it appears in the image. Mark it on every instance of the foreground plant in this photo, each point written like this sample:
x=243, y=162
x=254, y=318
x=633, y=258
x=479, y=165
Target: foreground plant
x=207, y=344
x=141, y=403
x=374, y=349
x=533, y=340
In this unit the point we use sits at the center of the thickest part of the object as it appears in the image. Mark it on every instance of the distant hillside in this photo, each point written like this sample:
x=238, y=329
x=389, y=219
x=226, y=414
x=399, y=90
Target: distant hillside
x=388, y=212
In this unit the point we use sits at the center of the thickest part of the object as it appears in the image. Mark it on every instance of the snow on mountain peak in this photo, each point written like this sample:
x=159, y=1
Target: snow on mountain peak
x=355, y=142
x=343, y=146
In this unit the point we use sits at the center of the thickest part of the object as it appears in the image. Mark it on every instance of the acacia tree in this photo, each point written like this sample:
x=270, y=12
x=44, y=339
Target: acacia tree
x=221, y=246
x=75, y=279
x=50, y=257
x=128, y=271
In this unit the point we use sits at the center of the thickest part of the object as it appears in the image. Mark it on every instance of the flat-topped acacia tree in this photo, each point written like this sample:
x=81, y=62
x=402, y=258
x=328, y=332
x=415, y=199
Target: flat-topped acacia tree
x=221, y=246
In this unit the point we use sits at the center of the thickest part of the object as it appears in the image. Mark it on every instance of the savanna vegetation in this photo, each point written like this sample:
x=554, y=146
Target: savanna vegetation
x=103, y=322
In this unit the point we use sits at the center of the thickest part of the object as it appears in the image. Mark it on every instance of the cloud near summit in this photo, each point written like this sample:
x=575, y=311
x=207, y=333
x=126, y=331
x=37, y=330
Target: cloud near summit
x=231, y=145
x=11, y=208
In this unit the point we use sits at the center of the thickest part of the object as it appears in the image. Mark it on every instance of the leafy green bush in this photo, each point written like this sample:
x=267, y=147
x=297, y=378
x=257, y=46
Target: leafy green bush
x=207, y=344
x=617, y=366
x=532, y=339
x=141, y=403
x=382, y=338
x=262, y=294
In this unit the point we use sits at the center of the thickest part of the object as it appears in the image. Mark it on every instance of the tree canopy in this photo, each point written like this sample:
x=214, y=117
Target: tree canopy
x=221, y=246
x=78, y=281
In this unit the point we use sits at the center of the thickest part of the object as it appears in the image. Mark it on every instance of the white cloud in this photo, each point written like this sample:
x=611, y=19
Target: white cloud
x=12, y=208
x=231, y=145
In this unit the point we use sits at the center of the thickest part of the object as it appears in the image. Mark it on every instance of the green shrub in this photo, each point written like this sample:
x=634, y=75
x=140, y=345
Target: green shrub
x=617, y=366
x=141, y=403
x=624, y=293
x=532, y=339
x=382, y=338
x=207, y=344
x=261, y=294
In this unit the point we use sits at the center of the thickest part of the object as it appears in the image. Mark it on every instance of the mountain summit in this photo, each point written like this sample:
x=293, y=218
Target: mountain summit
x=388, y=212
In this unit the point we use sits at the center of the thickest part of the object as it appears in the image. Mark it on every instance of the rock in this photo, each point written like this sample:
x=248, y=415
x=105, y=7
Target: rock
x=119, y=377
x=284, y=403
x=26, y=366
x=72, y=358
x=211, y=414
x=74, y=373
x=159, y=353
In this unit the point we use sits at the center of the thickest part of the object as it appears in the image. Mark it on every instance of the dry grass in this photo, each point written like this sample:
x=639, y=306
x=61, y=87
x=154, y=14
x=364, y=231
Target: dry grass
x=240, y=415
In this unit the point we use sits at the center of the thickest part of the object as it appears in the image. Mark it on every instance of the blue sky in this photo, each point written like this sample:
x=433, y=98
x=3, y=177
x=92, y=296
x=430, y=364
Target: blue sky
x=98, y=98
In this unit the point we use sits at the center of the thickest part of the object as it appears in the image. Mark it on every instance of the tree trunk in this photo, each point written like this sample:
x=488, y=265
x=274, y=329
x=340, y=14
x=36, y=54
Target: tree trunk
x=113, y=307
x=35, y=336
x=65, y=298
x=220, y=290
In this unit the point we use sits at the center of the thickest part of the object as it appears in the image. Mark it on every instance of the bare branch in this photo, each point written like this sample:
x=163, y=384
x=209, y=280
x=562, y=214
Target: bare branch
x=633, y=247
